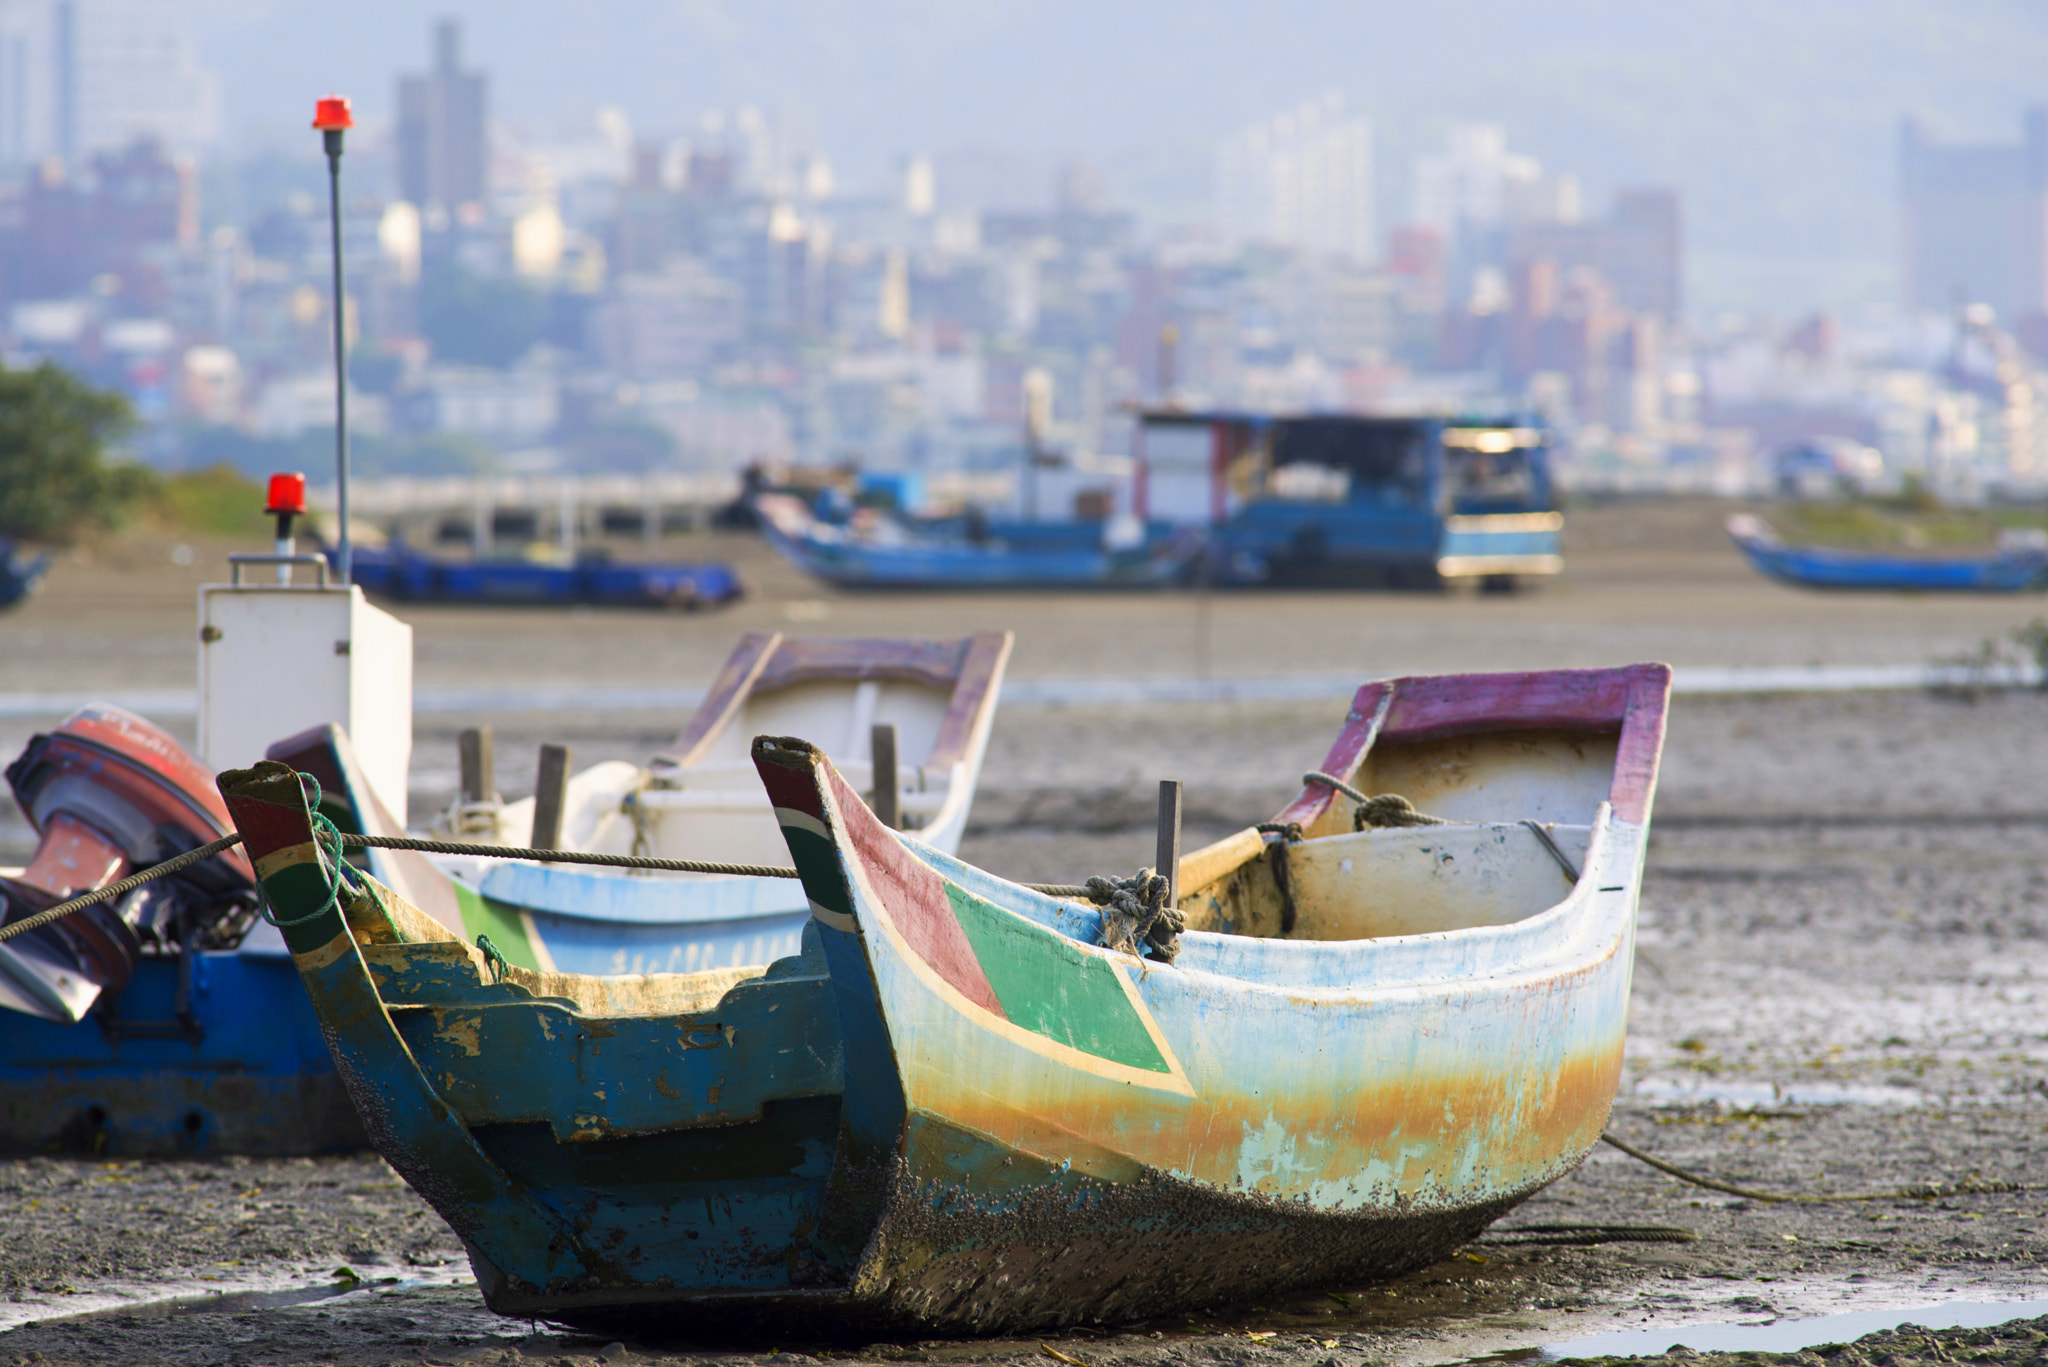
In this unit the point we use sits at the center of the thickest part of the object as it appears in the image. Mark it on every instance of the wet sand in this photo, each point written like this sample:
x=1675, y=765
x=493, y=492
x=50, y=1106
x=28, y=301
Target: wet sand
x=1840, y=979
x=1840, y=987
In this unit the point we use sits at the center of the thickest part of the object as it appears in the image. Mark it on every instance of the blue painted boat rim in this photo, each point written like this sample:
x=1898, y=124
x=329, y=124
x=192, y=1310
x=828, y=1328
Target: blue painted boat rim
x=682, y=899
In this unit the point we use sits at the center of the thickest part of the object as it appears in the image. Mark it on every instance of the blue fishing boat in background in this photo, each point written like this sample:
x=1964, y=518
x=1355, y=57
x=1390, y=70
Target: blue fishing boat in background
x=2018, y=563
x=20, y=575
x=403, y=572
x=876, y=549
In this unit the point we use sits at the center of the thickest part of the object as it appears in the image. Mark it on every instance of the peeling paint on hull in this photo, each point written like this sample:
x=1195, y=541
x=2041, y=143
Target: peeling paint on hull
x=956, y=1110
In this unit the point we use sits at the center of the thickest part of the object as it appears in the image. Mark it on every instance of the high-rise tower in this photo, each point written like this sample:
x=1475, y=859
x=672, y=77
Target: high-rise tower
x=443, y=153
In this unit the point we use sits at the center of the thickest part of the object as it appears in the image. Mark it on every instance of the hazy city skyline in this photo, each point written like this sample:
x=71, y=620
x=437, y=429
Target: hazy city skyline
x=1778, y=123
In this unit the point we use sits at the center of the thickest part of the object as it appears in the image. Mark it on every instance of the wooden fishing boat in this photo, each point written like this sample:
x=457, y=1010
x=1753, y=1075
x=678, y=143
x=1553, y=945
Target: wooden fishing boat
x=700, y=800
x=401, y=571
x=2017, y=564
x=958, y=1109
x=878, y=551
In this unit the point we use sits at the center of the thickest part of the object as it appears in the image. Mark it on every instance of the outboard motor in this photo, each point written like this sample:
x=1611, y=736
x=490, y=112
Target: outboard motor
x=110, y=794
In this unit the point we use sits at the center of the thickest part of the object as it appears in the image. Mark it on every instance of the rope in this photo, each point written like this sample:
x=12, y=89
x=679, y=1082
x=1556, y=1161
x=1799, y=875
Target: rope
x=1571, y=870
x=1136, y=915
x=327, y=838
x=113, y=890
x=1919, y=1191
x=617, y=861
x=1588, y=1234
x=1391, y=810
x=1332, y=781
x=324, y=830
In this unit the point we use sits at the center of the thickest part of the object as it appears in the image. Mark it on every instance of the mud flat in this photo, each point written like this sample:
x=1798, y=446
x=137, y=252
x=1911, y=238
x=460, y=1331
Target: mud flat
x=1842, y=985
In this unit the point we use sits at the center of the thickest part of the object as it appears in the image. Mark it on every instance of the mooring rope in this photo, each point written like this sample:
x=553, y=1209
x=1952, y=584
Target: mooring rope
x=1137, y=918
x=1587, y=1234
x=1919, y=1191
x=396, y=842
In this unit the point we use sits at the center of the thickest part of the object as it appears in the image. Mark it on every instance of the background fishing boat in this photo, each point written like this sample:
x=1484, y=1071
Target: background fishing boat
x=957, y=1106
x=876, y=550
x=700, y=800
x=403, y=572
x=2017, y=564
x=20, y=575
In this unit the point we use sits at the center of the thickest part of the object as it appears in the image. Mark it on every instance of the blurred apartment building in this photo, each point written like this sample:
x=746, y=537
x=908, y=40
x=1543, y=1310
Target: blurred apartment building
x=1976, y=221
x=1302, y=179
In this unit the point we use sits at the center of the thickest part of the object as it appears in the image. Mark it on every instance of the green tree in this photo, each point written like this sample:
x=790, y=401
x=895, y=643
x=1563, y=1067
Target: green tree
x=55, y=478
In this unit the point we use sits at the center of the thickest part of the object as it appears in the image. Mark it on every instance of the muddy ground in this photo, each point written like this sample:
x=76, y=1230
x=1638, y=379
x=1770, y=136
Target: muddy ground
x=1840, y=987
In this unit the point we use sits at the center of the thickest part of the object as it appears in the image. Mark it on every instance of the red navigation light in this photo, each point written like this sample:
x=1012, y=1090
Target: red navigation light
x=287, y=495
x=331, y=115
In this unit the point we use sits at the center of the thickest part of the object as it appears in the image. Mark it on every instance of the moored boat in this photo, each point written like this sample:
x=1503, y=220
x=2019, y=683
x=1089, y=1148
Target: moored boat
x=875, y=550
x=700, y=800
x=960, y=1108
x=404, y=572
x=2017, y=564
x=158, y=1024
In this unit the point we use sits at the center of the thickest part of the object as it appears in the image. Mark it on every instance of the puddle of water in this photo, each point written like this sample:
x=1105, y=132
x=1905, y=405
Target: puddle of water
x=1790, y=1336
x=1750, y=1095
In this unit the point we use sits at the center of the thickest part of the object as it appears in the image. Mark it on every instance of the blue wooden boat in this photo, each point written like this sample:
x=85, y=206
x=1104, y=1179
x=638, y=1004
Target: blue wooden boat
x=2018, y=564
x=875, y=550
x=400, y=571
x=20, y=575
x=158, y=1025
x=967, y=1106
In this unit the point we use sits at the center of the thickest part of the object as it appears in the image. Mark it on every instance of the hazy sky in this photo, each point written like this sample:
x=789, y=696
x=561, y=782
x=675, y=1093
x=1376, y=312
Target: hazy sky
x=1778, y=118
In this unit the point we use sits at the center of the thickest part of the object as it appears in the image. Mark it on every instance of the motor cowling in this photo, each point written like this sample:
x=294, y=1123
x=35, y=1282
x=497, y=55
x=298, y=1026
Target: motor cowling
x=109, y=793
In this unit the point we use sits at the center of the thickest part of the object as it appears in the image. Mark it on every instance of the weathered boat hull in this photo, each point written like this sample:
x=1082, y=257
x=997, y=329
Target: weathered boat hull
x=1821, y=567
x=956, y=1110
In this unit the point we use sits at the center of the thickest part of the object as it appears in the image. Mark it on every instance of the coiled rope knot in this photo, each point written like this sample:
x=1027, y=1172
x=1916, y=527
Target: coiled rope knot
x=1391, y=810
x=1388, y=809
x=1136, y=916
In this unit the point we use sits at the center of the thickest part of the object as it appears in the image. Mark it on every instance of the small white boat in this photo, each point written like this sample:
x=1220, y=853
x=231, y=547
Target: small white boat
x=701, y=799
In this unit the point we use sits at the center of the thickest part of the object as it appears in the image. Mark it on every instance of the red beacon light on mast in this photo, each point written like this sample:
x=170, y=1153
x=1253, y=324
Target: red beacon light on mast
x=332, y=115
x=287, y=500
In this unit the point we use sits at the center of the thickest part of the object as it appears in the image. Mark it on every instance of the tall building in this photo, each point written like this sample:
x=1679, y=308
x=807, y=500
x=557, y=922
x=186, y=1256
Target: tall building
x=26, y=80
x=127, y=69
x=443, y=152
x=1301, y=179
x=1637, y=249
x=1976, y=220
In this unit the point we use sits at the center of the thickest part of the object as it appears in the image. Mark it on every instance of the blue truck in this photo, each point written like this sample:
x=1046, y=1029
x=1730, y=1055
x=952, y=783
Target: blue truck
x=1342, y=501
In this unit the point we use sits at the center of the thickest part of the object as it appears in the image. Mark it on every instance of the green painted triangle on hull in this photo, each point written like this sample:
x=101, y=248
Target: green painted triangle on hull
x=1052, y=987
x=502, y=921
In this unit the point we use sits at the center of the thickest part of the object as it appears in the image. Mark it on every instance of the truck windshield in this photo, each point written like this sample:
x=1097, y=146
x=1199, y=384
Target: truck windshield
x=1492, y=468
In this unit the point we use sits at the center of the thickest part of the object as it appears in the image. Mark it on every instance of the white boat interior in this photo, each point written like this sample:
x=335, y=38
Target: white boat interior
x=1518, y=810
x=702, y=799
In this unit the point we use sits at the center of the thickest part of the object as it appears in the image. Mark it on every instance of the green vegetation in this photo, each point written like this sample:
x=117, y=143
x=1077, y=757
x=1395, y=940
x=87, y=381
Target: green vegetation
x=216, y=501
x=428, y=454
x=55, y=478
x=1912, y=520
